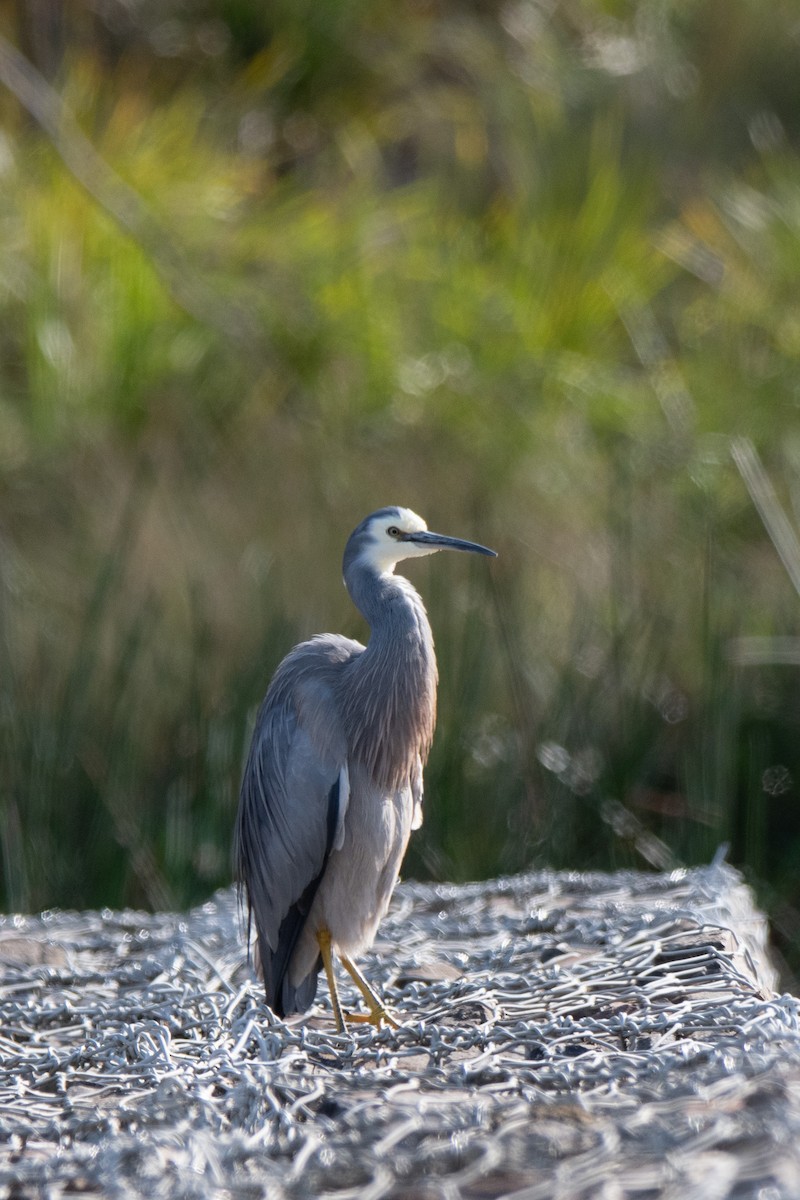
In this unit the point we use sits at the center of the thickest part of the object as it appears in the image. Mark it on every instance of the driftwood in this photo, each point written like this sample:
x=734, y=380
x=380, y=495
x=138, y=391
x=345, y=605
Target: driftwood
x=565, y=1036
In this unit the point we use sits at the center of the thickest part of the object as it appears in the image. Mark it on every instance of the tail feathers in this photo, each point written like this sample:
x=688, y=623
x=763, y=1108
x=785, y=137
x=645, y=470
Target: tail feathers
x=299, y=999
x=282, y=997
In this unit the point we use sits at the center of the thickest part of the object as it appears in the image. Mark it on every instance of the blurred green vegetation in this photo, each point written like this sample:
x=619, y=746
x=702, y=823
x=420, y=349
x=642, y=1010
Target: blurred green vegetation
x=529, y=268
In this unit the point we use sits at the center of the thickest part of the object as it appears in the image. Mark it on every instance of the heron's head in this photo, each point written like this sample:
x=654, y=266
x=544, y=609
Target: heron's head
x=389, y=535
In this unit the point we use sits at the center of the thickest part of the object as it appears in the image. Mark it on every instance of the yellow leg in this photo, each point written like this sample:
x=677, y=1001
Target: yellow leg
x=324, y=940
x=377, y=1009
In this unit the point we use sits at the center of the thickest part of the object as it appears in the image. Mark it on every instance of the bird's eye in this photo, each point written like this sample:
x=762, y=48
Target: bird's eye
x=393, y=531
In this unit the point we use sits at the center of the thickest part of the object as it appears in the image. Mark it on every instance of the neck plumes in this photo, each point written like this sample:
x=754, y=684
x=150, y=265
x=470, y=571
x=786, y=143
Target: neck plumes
x=391, y=687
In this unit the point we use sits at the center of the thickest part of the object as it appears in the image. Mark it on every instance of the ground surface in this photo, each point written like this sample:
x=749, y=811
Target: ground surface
x=565, y=1037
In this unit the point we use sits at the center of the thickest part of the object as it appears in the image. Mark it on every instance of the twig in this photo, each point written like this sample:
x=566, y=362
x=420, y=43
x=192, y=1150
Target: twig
x=763, y=495
x=117, y=198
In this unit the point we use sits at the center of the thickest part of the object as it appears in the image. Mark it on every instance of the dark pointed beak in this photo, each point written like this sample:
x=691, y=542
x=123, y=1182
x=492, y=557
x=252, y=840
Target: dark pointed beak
x=441, y=542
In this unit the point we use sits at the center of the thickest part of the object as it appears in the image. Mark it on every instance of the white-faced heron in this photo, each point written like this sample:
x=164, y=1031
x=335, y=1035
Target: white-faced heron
x=333, y=782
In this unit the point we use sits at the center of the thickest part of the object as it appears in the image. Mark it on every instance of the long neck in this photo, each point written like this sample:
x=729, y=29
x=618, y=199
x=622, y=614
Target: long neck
x=391, y=688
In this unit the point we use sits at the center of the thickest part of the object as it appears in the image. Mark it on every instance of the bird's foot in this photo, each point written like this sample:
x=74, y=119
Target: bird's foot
x=377, y=1009
x=374, y=1017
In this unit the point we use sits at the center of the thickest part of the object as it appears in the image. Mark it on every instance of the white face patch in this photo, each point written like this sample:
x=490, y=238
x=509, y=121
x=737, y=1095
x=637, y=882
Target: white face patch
x=383, y=550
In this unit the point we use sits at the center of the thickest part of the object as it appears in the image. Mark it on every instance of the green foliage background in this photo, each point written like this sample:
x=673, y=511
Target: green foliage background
x=530, y=268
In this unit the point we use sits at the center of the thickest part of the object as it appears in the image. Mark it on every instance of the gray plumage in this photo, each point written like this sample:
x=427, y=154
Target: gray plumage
x=333, y=782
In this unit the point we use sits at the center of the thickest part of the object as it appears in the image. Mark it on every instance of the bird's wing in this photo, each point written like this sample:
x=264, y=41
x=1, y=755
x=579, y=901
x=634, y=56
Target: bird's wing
x=291, y=808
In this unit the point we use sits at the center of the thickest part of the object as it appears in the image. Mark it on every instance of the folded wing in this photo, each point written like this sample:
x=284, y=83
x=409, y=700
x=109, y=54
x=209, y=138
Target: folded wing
x=292, y=807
